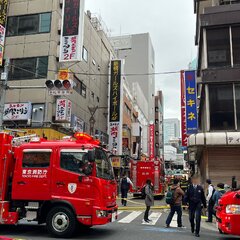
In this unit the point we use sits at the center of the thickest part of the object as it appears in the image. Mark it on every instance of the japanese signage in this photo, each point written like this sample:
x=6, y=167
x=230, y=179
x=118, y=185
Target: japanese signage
x=3, y=20
x=77, y=124
x=183, y=112
x=116, y=162
x=17, y=111
x=34, y=173
x=72, y=31
x=115, y=110
x=151, y=141
x=191, y=102
x=63, y=110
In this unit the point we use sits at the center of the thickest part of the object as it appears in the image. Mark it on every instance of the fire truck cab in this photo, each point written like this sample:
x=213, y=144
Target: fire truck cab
x=228, y=213
x=60, y=183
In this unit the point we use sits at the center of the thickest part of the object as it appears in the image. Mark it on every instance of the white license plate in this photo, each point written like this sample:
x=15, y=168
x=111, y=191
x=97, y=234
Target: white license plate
x=114, y=215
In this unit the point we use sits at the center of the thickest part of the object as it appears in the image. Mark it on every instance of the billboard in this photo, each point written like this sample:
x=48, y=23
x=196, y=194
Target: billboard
x=115, y=108
x=17, y=111
x=191, y=102
x=63, y=110
x=151, y=141
x=183, y=112
x=71, y=42
x=3, y=21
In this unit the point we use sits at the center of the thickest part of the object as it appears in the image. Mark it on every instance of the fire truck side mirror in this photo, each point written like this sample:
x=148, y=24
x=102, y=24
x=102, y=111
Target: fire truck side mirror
x=91, y=156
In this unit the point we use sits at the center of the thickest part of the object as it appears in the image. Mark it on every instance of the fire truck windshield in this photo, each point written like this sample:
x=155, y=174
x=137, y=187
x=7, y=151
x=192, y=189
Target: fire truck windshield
x=103, y=165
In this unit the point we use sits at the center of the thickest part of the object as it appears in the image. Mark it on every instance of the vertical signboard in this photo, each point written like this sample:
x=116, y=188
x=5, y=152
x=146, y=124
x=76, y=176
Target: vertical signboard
x=183, y=112
x=63, y=110
x=151, y=141
x=72, y=31
x=191, y=102
x=3, y=20
x=115, y=108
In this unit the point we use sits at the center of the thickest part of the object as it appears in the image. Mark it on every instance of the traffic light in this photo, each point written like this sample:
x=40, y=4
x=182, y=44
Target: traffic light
x=49, y=84
x=59, y=87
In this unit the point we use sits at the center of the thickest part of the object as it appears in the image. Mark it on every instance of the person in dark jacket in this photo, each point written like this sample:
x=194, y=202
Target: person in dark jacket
x=220, y=191
x=125, y=186
x=177, y=203
x=195, y=198
x=149, y=200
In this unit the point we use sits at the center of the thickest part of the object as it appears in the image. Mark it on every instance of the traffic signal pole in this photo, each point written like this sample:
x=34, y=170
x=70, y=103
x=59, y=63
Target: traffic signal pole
x=3, y=92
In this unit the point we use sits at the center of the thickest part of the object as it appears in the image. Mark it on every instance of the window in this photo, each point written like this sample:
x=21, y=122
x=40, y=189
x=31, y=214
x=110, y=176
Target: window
x=103, y=165
x=85, y=54
x=218, y=47
x=236, y=45
x=237, y=97
x=29, y=68
x=74, y=161
x=79, y=87
x=221, y=107
x=29, y=24
x=84, y=90
x=36, y=159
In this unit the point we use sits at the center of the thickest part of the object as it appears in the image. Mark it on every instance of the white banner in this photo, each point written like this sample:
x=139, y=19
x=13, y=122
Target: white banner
x=115, y=138
x=77, y=124
x=17, y=111
x=72, y=31
x=63, y=110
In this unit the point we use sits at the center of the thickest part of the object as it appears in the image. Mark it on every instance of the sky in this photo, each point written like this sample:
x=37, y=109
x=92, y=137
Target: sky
x=171, y=24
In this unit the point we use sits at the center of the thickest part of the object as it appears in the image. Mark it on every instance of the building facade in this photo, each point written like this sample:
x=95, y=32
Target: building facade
x=171, y=129
x=216, y=148
x=159, y=138
x=138, y=52
x=32, y=45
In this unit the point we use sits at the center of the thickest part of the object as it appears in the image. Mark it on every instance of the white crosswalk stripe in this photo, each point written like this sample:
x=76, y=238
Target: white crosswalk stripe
x=174, y=221
x=154, y=218
x=129, y=218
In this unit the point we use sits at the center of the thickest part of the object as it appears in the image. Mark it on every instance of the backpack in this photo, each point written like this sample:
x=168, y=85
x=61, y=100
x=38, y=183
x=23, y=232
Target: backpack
x=170, y=197
x=143, y=193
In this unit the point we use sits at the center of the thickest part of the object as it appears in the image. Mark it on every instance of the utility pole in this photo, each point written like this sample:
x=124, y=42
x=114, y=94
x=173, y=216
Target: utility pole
x=4, y=78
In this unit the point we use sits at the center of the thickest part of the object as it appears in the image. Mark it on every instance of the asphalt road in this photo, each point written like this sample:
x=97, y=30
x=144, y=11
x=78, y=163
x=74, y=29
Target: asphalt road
x=128, y=227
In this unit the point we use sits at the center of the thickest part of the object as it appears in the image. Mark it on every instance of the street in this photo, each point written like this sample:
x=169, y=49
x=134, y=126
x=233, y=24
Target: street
x=129, y=226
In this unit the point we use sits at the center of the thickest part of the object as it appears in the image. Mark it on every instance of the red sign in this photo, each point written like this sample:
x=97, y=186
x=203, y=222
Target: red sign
x=183, y=111
x=151, y=142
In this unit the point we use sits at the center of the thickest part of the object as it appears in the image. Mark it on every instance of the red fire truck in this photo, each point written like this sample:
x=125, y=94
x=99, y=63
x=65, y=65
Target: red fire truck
x=64, y=184
x=143, y=170
x=228, y=213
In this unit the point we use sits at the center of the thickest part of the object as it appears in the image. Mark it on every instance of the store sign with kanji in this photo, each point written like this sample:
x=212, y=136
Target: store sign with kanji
x=72, y=31
x=17, y=111
x=63, y=110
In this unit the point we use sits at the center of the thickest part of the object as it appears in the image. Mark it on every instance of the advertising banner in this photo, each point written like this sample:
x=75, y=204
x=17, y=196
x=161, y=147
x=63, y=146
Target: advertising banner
x=183, y=112
x=63, y=110
x=3, y=20
x=115, y=108
x=17, y=111
x=77, y=124
x=191, y=102
x=71, y=42
x=151, y=141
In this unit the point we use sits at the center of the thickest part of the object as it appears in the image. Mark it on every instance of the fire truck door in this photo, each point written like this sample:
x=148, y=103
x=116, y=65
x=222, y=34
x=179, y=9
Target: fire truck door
x=32, y=177
x=67, y=176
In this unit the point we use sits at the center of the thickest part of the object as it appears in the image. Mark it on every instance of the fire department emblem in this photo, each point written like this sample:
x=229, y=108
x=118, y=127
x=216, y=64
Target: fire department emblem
x=72, y=187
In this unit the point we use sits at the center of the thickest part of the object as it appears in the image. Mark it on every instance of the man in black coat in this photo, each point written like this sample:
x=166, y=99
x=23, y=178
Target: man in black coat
x=195, y=197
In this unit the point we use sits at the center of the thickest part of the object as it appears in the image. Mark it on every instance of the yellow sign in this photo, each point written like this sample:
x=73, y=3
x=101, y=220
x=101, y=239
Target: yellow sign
x=116, y=162
x=64, y=74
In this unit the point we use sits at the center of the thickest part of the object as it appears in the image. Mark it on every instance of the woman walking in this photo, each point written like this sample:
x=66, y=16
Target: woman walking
x=149, y=200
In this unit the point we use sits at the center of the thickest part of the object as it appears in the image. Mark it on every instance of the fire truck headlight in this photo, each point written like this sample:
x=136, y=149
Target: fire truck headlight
x=233, y=209
x=101, y=213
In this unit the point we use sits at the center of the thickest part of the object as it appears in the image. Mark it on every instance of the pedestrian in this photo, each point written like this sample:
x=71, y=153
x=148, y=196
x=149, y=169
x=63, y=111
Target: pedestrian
x=125, y=186
x=210, y=201
x=149, y=200
x=176, y=205
x=218, y=194
x=195, y=198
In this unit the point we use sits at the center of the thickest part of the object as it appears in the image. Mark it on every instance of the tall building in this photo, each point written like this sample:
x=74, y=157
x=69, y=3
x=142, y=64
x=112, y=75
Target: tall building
x=32, y=44
x=138, y=52
x=171, y=129
x=215, y=150
x=159, y=141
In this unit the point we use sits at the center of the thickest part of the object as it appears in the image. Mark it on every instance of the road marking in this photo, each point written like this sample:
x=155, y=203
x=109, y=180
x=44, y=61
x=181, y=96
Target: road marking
x=154, y=217
x=174, y=221
x=130, y=217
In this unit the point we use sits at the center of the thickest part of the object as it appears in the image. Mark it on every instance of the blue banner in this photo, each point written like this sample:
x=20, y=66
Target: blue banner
x=191, y=102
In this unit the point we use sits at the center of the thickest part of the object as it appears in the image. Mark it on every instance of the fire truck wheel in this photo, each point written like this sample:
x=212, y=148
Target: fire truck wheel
x=61, y=222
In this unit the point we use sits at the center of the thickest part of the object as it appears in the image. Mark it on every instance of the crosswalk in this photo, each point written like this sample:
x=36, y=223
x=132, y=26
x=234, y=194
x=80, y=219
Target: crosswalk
x=125, y=217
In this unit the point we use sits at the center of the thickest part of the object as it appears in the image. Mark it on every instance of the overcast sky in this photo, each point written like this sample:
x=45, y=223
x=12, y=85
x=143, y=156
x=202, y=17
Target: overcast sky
x=171, y=24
